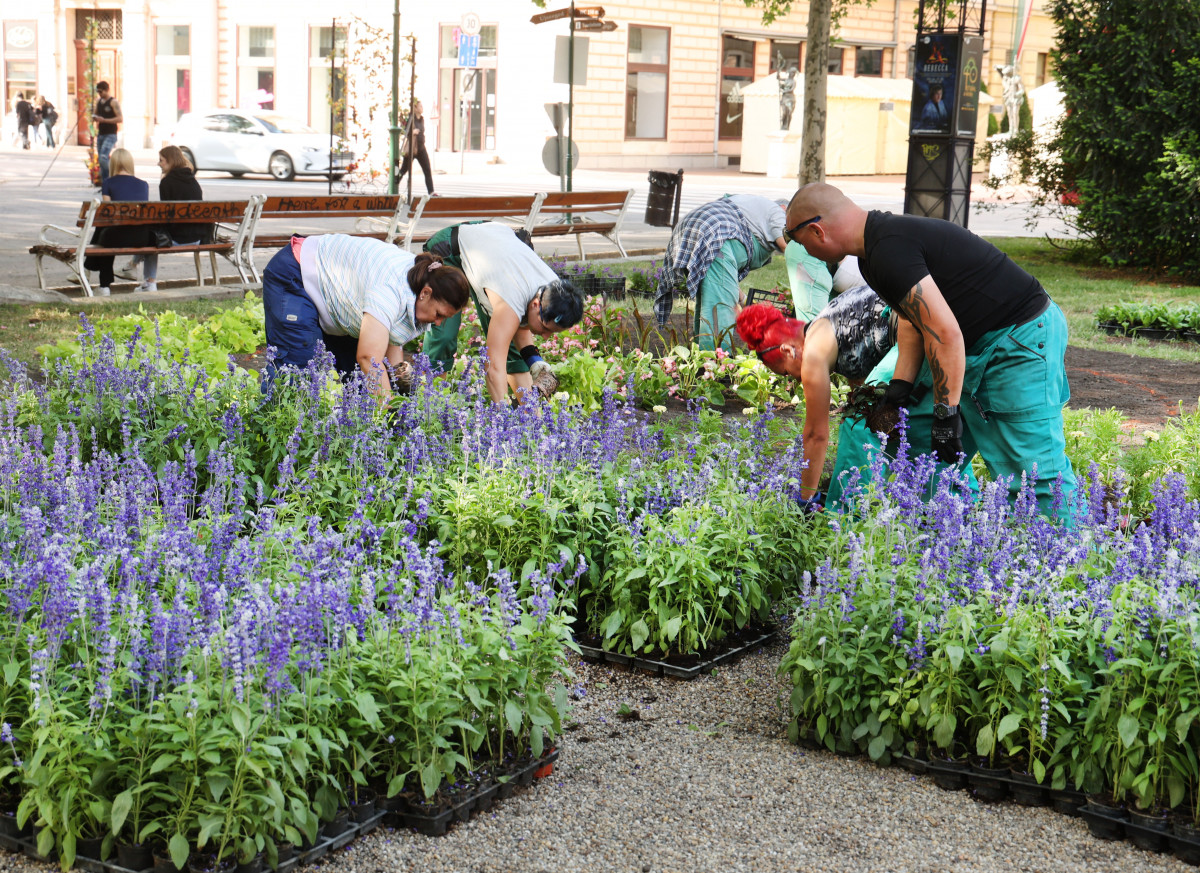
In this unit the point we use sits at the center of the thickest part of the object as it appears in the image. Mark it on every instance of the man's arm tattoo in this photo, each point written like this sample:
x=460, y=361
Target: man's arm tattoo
x=916, y=310
x=941, y=384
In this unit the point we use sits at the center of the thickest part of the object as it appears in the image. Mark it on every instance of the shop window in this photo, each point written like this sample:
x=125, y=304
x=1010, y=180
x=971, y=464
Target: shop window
x=1042, y=75
x=327, y=79
x=19, y=76
x=791, y=53
x=737, y=71
x=868, y=62
x=256, y=67
x=835, y=61
x=172, y=72
x=646, y=78
x=108, y=23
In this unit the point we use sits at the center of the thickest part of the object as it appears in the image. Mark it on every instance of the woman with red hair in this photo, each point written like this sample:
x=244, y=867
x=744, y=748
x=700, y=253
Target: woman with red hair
x=850, y=336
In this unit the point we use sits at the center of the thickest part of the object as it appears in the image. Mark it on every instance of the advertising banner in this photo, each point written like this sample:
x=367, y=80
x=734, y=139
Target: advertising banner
x=935, y=86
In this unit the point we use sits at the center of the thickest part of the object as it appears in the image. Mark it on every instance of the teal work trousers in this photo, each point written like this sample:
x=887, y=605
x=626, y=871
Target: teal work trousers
x=1014, y=388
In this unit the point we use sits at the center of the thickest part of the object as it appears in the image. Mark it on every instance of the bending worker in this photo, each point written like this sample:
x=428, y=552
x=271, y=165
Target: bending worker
x=993, y=377
x=362, y=297
x=853, y=335
x=516, y=296
x=711, y=250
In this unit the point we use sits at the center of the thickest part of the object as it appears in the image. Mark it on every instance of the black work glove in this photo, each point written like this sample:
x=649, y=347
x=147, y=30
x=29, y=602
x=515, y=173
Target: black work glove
x=812, y=504
x=898, y=392
x=947, y=438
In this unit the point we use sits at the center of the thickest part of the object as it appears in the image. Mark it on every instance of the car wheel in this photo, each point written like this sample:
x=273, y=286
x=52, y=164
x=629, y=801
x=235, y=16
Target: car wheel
x=191, y=158
x=237, y=174
x=280, y=166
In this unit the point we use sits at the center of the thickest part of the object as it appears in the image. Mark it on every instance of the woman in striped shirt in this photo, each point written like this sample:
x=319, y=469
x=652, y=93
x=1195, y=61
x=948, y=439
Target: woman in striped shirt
x=362, y=297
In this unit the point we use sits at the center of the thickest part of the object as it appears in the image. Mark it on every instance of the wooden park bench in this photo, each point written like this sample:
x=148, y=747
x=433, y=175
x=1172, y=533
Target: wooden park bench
x=361, y=215
x=438, y=212
x=580, y=212
x=71, y=246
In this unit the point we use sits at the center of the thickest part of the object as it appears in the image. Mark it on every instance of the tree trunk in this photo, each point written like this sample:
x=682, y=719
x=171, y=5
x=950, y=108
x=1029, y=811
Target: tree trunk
x=816, y=75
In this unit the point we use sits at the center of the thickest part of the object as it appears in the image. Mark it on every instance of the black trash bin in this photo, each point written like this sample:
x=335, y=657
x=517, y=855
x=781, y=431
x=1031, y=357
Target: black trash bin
x=662, y=205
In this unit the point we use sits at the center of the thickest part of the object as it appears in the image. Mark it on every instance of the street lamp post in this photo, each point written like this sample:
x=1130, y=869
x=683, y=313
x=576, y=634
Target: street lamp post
x=394, y=149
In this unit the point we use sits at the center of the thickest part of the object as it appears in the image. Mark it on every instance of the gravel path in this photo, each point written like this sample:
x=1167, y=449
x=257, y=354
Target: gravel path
x=703, y=779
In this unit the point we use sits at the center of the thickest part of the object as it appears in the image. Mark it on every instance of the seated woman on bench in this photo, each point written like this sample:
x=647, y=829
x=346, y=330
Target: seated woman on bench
x=123, y=186
x=178, y=183
x=362, y=297
x=516, y=296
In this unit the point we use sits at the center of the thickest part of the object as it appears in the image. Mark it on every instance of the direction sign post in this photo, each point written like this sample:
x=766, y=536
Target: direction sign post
x=543, y=17
x=594, y=24
x=589, y=12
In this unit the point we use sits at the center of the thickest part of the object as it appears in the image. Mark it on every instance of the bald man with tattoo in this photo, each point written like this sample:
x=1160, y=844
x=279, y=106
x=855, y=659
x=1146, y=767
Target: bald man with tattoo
x=985, y=369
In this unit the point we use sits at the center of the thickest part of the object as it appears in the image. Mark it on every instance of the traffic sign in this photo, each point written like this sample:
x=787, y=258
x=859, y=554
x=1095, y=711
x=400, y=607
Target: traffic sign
x=543, y=17
x=554, y=155
x=594, y=24
x=468, y=50
x=470, y=24
x=589, y=11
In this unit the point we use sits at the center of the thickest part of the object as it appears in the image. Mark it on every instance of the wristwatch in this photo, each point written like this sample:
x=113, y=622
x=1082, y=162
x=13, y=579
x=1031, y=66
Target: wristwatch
x=942, y=411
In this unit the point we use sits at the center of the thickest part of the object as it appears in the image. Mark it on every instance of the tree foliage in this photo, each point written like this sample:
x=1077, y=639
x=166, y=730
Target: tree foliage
x=1130, y=75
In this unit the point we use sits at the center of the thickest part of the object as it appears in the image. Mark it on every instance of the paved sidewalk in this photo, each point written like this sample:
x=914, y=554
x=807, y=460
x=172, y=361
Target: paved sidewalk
x=31, y=203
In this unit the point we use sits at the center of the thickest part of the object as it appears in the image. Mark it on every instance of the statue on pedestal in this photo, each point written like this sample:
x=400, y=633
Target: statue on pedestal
x=1014, y=91
x=787, y=92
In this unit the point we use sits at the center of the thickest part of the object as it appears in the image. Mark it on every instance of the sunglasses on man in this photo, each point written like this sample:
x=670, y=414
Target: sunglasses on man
x=790, y=232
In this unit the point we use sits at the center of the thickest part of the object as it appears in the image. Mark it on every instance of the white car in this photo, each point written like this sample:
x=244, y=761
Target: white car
x=240, y=141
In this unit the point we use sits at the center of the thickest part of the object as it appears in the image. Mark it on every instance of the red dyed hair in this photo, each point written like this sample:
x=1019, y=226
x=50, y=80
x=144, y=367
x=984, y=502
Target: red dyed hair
x=761, y=326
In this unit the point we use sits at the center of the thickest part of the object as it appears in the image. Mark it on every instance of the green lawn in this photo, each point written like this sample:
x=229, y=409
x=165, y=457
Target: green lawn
x=24, y=327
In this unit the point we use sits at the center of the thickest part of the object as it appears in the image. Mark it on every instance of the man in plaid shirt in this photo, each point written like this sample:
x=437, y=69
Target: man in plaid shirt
x=711, y=250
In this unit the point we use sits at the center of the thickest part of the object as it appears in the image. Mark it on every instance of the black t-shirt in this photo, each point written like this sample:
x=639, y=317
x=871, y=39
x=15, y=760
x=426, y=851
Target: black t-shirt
x=104, y=108
x=417, y=126
x=983, y=287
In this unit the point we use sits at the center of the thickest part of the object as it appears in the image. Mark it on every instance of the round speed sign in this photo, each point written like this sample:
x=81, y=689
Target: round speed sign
x=470, y=24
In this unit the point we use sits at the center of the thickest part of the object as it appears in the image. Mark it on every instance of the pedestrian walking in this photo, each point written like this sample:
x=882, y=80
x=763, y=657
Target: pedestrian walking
x=416, y=147
x=24, y=111
x=49, y=117
x=108, y=118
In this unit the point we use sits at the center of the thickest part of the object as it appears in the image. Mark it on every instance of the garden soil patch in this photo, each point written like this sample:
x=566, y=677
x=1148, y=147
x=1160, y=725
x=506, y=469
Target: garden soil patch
x=1147, y=391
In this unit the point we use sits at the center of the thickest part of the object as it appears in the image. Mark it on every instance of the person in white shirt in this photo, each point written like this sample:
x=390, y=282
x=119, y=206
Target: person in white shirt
x=334, y=286
x=516, y=296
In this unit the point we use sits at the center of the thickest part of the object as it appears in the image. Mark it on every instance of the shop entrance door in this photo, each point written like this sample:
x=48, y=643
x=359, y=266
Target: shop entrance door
x=472, y=106
x=108, y=65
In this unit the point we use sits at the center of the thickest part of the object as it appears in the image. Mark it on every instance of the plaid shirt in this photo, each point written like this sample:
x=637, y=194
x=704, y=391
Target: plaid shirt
x=693, y=247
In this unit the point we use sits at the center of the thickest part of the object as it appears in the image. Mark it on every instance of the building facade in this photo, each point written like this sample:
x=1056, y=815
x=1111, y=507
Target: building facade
x=662, y=90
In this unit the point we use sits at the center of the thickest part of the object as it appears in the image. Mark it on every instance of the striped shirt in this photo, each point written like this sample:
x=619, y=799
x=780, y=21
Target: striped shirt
x=356, y=275
x=693, y=247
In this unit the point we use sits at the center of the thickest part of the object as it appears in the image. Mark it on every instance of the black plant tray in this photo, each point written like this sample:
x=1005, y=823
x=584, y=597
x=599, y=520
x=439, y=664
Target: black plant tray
x=666, y=668
x=950, y=775
x=477, y=801
x=1185, y=849
x=92, y=865
x=1104, y=827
